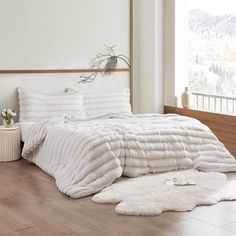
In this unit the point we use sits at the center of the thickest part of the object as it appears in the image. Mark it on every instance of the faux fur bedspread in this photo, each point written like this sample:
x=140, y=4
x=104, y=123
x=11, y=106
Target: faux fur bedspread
x=84, y=156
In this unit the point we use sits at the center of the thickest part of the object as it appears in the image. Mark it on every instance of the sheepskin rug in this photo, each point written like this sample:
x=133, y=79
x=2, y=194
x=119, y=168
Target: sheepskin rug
x=150, y=196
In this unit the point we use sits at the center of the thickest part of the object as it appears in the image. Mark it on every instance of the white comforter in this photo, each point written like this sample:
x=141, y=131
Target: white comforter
x=87, y=155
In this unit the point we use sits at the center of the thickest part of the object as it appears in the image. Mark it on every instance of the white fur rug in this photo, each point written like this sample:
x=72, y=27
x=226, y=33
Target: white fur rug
x=150, y=196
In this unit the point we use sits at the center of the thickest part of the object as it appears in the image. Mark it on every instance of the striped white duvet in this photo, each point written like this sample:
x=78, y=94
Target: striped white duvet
x=87, y=155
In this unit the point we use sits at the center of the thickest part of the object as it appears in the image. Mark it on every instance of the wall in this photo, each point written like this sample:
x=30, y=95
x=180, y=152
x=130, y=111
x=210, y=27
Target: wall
x=148, y=55
x=169, y=52
x=148, y=63
x=175, y=51
x=59, y=34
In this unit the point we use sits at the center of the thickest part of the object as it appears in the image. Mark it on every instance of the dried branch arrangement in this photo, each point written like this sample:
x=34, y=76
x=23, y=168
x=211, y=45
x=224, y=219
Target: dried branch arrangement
x=107, y=62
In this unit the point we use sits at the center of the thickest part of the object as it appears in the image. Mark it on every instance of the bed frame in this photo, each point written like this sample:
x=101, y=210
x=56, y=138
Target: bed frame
x=223, y=126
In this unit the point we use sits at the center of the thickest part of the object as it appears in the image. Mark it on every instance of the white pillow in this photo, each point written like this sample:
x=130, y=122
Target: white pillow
x=36, y=106
x=103, y=103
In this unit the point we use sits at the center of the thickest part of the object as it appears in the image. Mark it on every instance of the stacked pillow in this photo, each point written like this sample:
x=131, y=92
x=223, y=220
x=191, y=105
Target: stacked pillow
x=36, y=106
x=103, y=103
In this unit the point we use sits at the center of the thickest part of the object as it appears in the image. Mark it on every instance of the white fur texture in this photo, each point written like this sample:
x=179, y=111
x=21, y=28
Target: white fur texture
x=87, y=155
x=150, y=196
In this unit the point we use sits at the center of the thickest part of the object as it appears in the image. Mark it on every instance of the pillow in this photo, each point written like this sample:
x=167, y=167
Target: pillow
x=36, y=106
x=103, y=103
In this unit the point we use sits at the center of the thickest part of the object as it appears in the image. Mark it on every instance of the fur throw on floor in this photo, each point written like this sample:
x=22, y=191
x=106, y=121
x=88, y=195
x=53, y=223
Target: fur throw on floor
x=150, y=196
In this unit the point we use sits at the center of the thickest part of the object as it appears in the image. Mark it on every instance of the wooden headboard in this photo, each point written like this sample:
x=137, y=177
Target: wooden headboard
x=223, y=126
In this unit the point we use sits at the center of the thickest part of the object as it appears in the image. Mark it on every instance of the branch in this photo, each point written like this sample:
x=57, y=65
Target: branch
x=111, y=60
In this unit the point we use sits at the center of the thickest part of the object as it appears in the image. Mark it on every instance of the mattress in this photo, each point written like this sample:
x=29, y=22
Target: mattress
x=24, y=129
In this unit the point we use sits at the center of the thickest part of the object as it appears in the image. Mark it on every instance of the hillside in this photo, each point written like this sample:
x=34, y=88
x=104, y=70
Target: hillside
x=212, y=53
x=210, y=26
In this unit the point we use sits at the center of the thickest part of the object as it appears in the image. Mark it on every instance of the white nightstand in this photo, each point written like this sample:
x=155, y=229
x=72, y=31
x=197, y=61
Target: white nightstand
x=10, y=148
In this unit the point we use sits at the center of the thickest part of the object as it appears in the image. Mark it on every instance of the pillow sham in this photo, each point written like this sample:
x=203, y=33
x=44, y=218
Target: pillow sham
x=36, y=106
x=103, y=103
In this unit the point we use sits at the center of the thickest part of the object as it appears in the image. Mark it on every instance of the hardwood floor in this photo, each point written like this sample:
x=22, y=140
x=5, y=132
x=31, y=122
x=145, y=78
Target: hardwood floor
x=30, y=204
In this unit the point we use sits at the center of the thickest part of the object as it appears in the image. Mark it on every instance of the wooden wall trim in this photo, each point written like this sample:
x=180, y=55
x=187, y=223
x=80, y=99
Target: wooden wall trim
x=223, y=126
x=56, y=71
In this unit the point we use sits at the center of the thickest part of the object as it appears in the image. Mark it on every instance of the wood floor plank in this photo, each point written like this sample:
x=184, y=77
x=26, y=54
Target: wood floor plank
x=209, y=217
x=205, y=228
x=105, y=219
x=171, y=227
x=216, y=211
x=75, y=234
x=12, y=233
x=63, y=217
x=4, y=230
x=121, y=225
x=87, y=229
x=231, y=228
x=13, y=215
x=228, y=206
x=176, y=216
x=49, y=224
x=34, y=231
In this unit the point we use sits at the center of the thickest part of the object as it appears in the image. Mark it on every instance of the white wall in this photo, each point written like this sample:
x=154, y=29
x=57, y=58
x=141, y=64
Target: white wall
x=59, y=34
x=175, y=51
x=148, y=62
x=148, y=55
x=169, y=52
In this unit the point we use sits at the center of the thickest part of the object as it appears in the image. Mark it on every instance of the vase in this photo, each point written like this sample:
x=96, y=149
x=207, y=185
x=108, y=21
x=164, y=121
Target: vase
x=8, y=124
x=186, y=98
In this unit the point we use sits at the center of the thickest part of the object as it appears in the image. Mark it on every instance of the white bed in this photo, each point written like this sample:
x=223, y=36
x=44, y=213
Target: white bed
x=85, y=153
x=84, y=156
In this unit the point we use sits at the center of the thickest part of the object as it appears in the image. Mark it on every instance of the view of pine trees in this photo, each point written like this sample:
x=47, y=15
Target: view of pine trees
x=212, y=59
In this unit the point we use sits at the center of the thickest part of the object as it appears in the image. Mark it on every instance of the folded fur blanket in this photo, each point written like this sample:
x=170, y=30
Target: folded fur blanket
x=84, y=156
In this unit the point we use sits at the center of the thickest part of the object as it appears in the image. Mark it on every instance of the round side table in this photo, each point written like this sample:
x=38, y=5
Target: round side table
x=10, y=148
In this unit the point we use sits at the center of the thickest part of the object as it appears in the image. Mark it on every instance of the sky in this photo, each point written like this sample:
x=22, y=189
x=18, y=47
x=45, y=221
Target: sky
x=214, y=7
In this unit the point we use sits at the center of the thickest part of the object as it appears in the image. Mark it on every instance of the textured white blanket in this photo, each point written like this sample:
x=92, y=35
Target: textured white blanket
x=84, y=156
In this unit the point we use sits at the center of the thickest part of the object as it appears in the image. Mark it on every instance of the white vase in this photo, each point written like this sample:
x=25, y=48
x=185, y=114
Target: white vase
x=186, y=98
x=8, y=125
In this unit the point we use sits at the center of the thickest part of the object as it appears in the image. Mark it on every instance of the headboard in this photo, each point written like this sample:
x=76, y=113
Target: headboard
x=46, y=45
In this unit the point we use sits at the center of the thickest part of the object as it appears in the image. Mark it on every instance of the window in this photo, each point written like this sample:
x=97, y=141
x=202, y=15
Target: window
x=212, y=54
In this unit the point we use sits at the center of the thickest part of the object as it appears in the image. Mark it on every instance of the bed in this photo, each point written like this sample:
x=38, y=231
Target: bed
x=86, y=153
